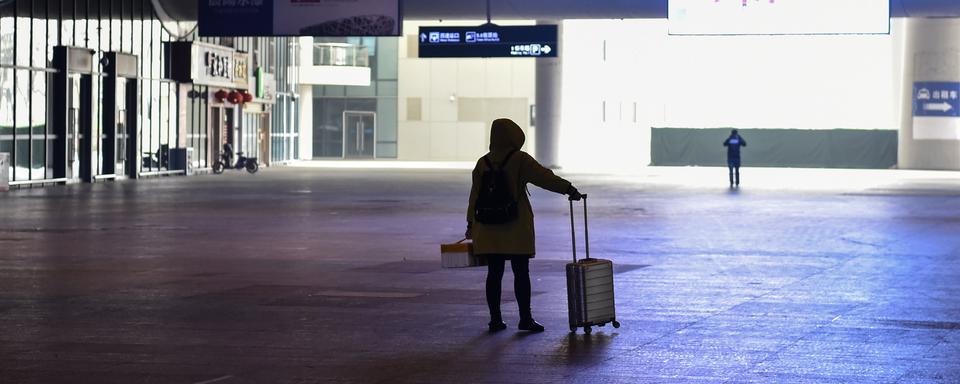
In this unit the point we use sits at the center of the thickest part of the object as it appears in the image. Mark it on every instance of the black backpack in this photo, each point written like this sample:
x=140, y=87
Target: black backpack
x=496, y=204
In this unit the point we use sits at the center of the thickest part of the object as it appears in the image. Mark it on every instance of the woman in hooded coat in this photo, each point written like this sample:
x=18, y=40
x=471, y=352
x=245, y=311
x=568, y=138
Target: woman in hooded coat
x=514, y=240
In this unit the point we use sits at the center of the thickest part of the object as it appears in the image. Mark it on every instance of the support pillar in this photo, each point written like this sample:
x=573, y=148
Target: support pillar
x=306, y=122
x=549, y=72
x=305, y=51
x=183, y=108
x=931, y=60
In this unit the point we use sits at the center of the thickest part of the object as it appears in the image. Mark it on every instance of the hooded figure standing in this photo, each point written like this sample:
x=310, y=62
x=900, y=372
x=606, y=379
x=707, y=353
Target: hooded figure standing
x=513, y=240
x=733, y=144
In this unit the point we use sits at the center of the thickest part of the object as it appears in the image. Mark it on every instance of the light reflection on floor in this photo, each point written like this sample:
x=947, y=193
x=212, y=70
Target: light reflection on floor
x=307, y=274
x=787, y=179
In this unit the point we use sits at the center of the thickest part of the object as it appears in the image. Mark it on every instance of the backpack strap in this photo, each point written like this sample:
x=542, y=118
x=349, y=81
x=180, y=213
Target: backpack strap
x=506, y=159
x=486, y=159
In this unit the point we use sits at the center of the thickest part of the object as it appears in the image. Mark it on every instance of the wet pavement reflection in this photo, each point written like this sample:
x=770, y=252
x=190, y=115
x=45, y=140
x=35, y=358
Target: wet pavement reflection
x=300, y=275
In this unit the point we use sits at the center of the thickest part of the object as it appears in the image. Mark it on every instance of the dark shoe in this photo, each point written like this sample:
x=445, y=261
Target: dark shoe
x=497, y=326
x=530, y=325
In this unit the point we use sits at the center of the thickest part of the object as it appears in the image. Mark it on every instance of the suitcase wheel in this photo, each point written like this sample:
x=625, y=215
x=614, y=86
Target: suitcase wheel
x=573, y=329
x=616, y=324
x=587, y=330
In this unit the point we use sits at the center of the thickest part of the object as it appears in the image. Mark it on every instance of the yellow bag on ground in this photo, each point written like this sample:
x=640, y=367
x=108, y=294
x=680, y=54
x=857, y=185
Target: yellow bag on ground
x=459, y=255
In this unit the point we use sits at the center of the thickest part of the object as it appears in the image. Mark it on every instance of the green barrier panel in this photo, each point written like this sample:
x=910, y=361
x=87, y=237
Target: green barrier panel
x=801, y=148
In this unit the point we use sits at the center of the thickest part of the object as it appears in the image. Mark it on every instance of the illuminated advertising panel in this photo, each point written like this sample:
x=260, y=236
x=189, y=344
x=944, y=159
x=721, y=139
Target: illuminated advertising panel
x=299, y=17
x=778, y=17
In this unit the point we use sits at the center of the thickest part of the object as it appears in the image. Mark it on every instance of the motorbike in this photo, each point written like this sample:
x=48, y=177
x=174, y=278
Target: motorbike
x=248, y=163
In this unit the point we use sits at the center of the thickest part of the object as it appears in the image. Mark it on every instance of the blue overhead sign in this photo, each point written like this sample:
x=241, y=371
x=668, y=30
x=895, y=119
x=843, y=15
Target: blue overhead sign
x=233, y=18
x=489, y=40
x=936, y=99
x=299, y=17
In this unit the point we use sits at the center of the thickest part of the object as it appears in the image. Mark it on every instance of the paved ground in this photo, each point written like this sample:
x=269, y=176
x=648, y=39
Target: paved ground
x=319, y=275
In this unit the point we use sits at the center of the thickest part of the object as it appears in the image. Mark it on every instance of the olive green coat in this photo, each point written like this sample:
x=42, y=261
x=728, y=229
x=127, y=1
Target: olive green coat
x=516, y=237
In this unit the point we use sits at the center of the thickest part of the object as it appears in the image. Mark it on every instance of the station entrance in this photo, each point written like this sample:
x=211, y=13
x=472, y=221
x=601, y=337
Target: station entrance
x=72, y=114
x=119, y=150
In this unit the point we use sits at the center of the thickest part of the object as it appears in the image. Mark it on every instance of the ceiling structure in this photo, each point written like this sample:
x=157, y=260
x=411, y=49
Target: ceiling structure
x=611, y=9
x=186, y=10
x=572, y=9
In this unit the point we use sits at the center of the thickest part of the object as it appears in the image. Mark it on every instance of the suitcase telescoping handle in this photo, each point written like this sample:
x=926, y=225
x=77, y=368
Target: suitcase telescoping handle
x=586, y=230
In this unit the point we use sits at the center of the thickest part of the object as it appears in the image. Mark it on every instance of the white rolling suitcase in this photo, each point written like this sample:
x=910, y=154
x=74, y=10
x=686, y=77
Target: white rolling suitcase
x=589, y=285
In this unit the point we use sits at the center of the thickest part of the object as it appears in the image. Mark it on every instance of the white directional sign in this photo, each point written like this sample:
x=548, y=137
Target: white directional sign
x=489, y=40
x=941, y=107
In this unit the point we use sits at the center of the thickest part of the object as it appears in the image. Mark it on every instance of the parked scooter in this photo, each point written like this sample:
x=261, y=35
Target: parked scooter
x=248, y=163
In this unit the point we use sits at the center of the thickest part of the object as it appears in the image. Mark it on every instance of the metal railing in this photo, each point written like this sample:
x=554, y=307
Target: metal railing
x=340, y=54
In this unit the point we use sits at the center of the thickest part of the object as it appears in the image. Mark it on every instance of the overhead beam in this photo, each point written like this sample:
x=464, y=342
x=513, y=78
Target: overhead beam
x=186, y=10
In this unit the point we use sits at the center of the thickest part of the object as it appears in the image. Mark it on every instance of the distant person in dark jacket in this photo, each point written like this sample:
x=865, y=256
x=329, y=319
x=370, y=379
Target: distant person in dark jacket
x=228, y=155
x=513, y=240
x=733, y=144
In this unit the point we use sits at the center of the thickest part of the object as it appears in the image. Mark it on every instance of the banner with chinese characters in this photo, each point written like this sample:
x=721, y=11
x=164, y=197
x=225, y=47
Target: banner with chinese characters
x=213, y=65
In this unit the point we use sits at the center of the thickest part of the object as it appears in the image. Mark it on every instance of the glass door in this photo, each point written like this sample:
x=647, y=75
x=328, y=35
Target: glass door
x=216, y=134
x=120, y=133
x=231, y=130
x=359, y=134
x=73, y=128
x=265, y=139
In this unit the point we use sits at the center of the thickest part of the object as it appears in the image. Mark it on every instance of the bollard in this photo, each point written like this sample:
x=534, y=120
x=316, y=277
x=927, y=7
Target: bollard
x=4, y=172
x=181, y=159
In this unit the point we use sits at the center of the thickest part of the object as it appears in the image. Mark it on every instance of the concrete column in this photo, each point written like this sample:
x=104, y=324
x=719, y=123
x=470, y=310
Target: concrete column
x=931, y=53
x=183, y=92
x=306, y=99
x=549, y=73
x=306, y=122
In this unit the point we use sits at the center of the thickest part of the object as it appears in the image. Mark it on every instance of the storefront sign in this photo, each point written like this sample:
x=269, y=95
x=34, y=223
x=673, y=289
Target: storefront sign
x=207, y=64
x=216, y=65
x=265, y=89
x=212, y=65
x=241, y=69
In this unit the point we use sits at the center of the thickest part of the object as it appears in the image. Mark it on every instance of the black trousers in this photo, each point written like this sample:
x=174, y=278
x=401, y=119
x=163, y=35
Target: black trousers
x=521, y=284
x=734, y=166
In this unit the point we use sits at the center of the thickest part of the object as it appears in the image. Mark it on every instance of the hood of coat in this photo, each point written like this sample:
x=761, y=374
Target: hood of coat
x=505, y=135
